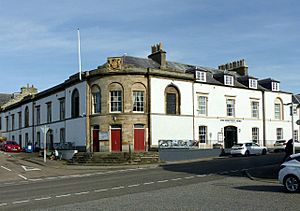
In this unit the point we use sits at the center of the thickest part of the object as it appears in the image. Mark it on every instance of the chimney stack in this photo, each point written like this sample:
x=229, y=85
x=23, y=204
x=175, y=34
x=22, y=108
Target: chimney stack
x=158, y=55
x=239, y=67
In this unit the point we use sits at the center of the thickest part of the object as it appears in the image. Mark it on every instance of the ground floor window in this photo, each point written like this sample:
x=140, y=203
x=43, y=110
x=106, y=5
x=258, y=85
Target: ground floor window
x=255, y=134
x=279, y=133
x=202, y=134
x=296, y=135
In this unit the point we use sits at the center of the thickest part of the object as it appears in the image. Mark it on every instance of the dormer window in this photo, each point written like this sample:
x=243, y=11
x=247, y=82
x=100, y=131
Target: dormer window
x=201, y=76
x=275, y=86
x=228, y=80
x=253, y=83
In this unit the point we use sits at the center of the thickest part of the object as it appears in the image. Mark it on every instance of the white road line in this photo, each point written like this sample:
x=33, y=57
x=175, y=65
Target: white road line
x=201, y=175
x=44, y=198
x=19, y=202
x=82, y=193
x=117, y=188
x=5, y=168
x=64, y=195
x=162, y=181
x=234, y=171
x=3, y=204
x=148, y=183
x=50, y=178
x=101, y=190
x=176, y=179
x=33, y=180
x=20, y=175
x=190, y=177
x=131, y=186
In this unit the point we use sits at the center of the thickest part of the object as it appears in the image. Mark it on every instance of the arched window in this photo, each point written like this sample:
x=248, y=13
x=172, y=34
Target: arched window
x=75, y=103
x=278, y=109
x=96, y=99
x=172, y=100
x=26, y=116
x=116, y=98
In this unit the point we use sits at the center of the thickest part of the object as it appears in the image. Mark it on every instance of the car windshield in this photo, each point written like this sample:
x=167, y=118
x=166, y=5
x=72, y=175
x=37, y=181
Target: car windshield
x=11, y=142
x=238, y=145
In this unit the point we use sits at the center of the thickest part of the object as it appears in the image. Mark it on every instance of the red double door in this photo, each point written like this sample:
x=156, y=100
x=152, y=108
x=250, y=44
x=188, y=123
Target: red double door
x=116, y=139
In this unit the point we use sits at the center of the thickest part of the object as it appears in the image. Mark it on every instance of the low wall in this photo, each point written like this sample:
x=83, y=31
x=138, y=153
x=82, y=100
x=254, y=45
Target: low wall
x=187, y=154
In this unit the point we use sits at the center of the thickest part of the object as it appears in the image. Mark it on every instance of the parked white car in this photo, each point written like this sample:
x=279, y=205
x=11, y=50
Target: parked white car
x=289, y=173
x=247, y=149
x=279, y=145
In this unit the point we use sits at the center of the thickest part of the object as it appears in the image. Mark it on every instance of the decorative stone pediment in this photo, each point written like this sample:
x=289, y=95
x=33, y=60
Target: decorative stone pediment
x=114, y=63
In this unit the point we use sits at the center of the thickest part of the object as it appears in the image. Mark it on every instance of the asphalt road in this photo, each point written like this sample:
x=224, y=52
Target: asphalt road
x=182, y=186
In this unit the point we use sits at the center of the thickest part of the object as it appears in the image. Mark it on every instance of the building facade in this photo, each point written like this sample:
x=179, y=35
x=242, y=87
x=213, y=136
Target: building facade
x=131, y=104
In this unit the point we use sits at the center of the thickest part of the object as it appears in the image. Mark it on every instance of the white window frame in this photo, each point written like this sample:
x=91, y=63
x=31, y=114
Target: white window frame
x=138, y=98
x=202, y=134
x=255, y=109
x=253, y=83
x=230, y=107
x=275, y=86
x=255, y=134
x=116, y=100
x=279, y=133
x=277, y=111
x=202, y=105
x=228, y=80
x=201, y=76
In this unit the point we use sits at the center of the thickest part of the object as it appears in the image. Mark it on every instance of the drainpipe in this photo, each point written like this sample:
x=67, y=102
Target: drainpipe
x=193, y=101
x=264, y=118
x=149, y=109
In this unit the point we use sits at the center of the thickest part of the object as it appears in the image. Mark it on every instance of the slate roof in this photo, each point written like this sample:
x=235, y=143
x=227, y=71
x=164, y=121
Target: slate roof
x=296, y=99
x=4, y=98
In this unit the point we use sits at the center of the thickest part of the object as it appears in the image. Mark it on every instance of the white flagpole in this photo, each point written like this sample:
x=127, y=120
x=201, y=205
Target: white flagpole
x=79, y=54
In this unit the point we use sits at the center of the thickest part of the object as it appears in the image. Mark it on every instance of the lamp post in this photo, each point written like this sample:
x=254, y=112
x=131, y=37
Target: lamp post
x=45, y=130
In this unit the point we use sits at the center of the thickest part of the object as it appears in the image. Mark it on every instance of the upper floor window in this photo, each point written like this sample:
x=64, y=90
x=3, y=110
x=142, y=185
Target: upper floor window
x=230, y=105
x=20, y=119
x=96, y=99
x=75, y=103
x=116, y=101
x=49, y=112
x=202, y=134
x=202, y=105
x=201, y=76
x=62, y=109
x=12, y=121
x=138, y=101
x=253, y=83
x=278, y=109
x=38, y=115
x=228, y=80
x=275, y=86
x=26, y=116
x=172, y=100
x=255, y=109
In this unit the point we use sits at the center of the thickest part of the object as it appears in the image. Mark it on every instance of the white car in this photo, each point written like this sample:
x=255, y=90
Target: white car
x=279, y=145
x=247, y=149
x=289, y=173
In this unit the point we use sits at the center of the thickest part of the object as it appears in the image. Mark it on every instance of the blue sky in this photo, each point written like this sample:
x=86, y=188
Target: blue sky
x=38, y=38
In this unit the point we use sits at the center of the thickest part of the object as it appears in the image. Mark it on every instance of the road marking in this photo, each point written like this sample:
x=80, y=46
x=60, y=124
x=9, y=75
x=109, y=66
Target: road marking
x=117, y=188
x=44, y=198
x=64, y=195
x=5, y=168
x=131, y=186
x=3, y=204
x=50, y=178
x=201, y=175
x=162, y=181
x=176, y=179
x=19, y=202
x=233, y=171
x=82, y=193
x=33, y=180
x=190, y=177
x=20, y=175
x=101, y=190
x=148, y=183
x=29, y=168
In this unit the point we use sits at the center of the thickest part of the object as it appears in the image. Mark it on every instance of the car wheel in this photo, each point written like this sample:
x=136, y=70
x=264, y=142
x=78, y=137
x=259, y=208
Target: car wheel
x=291, y=183
x=247, y=153
x=264, y=152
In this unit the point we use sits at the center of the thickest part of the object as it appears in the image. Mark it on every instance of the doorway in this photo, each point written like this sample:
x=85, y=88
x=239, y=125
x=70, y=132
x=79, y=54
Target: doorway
x=230, y=136
x=116, y=138
x=96, y=147
x=139, y=138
